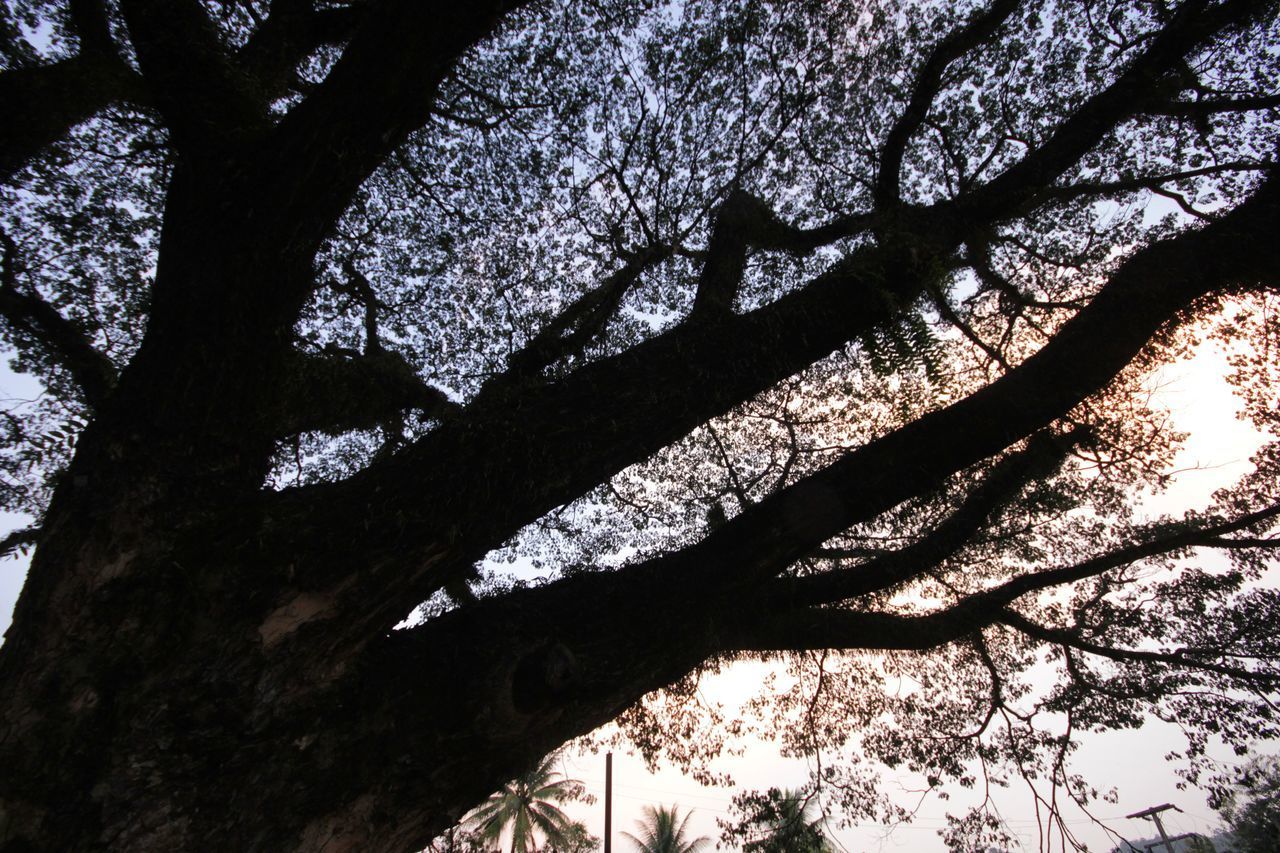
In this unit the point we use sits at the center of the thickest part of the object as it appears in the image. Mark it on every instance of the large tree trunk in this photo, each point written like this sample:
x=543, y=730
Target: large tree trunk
x=168, y=704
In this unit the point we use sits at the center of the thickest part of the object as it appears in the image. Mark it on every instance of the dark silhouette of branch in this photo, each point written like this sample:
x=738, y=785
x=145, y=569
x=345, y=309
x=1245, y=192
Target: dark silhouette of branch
x=46, y=101
x=28, y=314
x=1072, y=639
x=1042, y=455
x=1140, y=84
x=207, y=104
x=968, y=37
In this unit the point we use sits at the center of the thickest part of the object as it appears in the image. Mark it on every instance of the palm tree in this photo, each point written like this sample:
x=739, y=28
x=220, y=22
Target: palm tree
x=792, y=827
x=662, y=831
x=526, y=808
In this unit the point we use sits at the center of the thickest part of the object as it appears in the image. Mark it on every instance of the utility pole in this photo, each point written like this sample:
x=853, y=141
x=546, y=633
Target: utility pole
x=608, y=802
x=1154, y=814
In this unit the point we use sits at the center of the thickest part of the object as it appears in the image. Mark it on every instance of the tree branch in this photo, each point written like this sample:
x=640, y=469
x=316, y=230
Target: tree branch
x=52, y=99
x=1058, y=636
x=968, y=37
x=1090, y=349
x=337, y=393
x=767, y=628
x=207, y=104
x=582, y=321
x=745, y=222
x=1141, y=84
x=28, y=314
x=1202, y=109
x=381, y=89
x=1043, y=454
x=1203, y=537
x=523, y=445
x=293, y=30
x=18, y=540
x=1150, y=182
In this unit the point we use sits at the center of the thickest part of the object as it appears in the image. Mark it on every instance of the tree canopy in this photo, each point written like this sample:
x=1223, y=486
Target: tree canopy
x=428, y=384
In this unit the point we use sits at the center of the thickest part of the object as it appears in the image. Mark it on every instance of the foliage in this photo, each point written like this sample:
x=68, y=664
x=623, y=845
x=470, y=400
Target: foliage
x=526, y=809
x=1250, y=805
x=619, y=343
x=663, y=831
x=778, y=821
x=457, y=840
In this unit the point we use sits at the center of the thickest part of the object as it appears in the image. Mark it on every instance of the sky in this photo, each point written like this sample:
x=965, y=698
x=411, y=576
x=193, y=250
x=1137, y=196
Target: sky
x=1133, y=762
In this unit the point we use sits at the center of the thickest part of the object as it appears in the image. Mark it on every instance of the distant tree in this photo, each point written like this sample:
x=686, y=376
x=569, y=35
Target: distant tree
x=458, y=839
x=1202, y=844
x=1250, y=806
x=663, y=831
x=526, y=809
x=778, y=821
x=578, y=840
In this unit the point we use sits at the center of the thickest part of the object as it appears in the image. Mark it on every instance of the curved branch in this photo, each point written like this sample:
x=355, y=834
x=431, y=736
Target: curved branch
x=1043, y=454
x=1073, y=640
x=52, y=99
x=968, y=37
x=30, y=315
x=1139, y=86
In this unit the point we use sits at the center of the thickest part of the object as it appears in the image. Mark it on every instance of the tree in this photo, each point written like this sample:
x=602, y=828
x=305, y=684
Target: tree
x=525, y=808
x=457, y=840
x=780, y=821
x=1251, y=806
x=662, y=831
x=808, y=326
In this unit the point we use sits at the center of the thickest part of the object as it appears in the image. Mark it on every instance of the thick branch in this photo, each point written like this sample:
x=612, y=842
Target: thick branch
x=1147, y=291
x=580, y=323
x=1203, y=537
x=745, y=222
x=970, y=36
x=803, y=630
x=23, y=537
x=1041, y=457
x=52, y=99
x=665, y=386
x=28, y=314
x=581, y=429
x=1206, y=107
x=381, y=89
x=767, y=629
x=206, y=103
x=1138, y=87
x=1150, y=182
x=294, y=30
x=335, y=393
